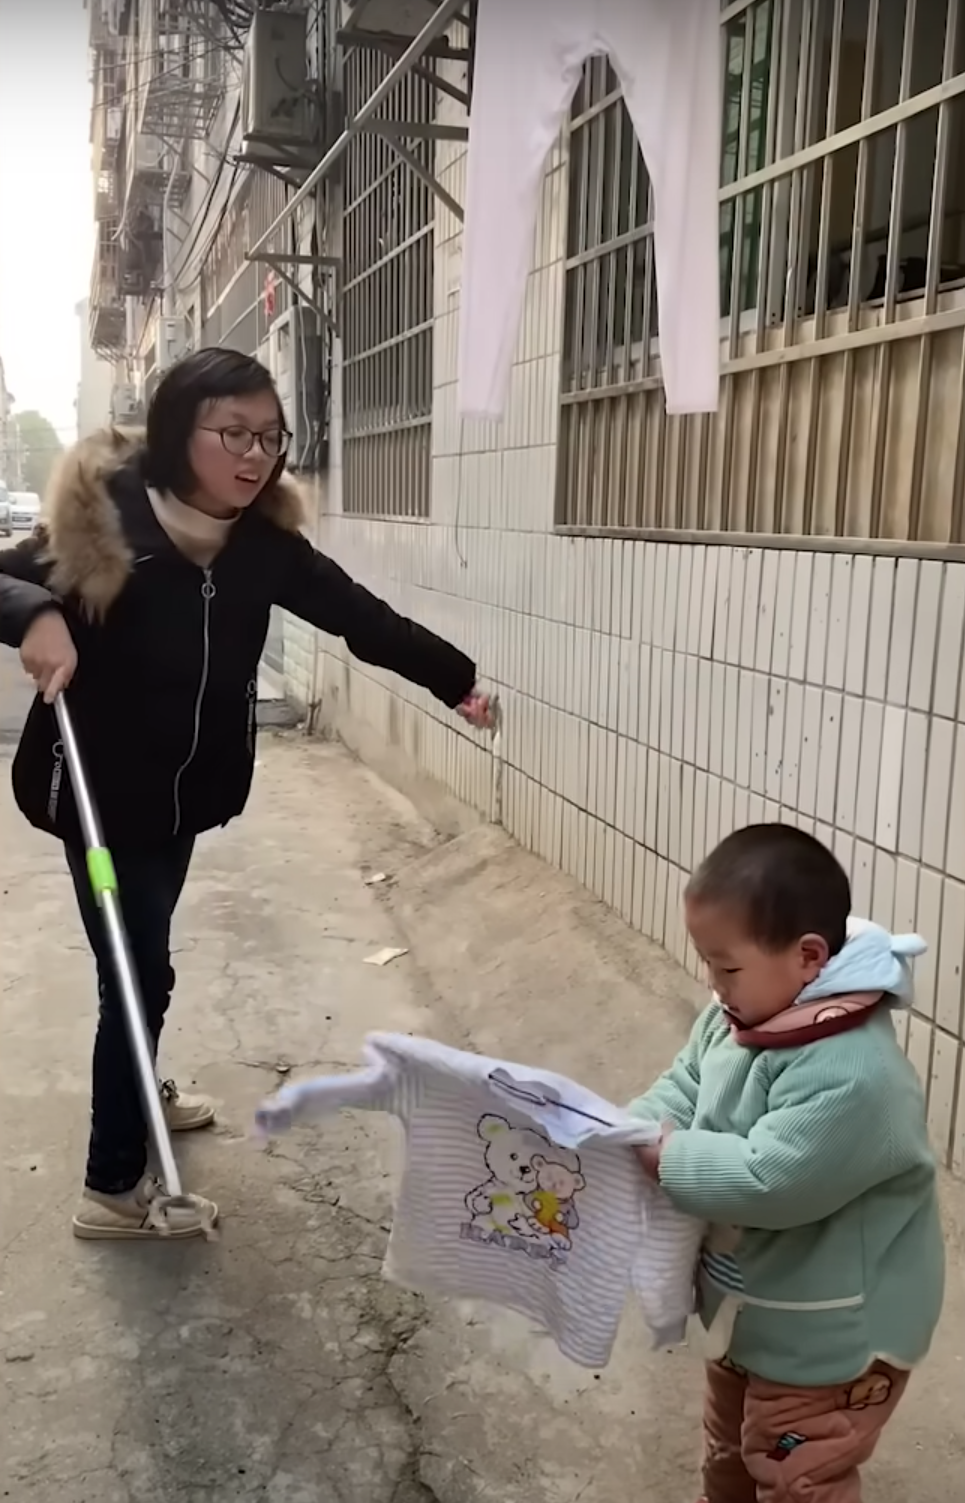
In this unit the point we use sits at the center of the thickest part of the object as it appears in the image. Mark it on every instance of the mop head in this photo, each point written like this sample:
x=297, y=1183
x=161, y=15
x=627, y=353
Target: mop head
x=162, y=1204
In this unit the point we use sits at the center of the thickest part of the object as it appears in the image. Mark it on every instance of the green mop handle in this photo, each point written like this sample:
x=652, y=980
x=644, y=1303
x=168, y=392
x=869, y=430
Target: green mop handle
x=103, y=881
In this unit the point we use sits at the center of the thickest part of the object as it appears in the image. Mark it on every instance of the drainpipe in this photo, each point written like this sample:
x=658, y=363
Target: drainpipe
x=168, y=302
x=314, y=699
x=326, y=70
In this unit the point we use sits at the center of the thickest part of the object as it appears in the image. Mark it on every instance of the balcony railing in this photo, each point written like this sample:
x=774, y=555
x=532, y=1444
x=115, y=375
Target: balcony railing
x=141, y=247
x=106, y=121
x=146, y=166
x=179, y=76
x=103, y=23
x=105, y=195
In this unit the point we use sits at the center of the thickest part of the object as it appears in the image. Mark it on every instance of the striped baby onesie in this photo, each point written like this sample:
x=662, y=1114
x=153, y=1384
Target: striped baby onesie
x=517, y=1189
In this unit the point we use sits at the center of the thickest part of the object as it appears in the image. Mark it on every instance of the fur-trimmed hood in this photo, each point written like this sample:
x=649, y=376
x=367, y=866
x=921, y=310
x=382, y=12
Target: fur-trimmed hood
x=81, y=526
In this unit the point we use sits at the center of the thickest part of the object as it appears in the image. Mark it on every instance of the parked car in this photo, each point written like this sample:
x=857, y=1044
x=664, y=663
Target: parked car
x=24, y=510
x=6, y=525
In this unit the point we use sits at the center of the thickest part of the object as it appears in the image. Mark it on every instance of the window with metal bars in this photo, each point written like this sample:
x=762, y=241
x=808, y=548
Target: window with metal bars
x=842, y=265
x=387, y=303
x=233, y=289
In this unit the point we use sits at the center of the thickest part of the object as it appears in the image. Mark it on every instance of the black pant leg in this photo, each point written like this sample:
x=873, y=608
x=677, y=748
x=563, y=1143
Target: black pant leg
x=149, y=885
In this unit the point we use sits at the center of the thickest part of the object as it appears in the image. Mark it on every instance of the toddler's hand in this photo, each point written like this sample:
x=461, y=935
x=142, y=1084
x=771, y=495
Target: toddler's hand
x=272, y=1119
x=649, y=1154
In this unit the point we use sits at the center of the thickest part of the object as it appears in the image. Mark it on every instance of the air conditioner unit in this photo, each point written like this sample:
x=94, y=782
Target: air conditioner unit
x=171, y=342
x=276, y=91
x=295, y=354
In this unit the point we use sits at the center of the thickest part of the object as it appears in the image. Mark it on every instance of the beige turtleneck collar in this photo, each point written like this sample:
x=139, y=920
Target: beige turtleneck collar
x=194, y=533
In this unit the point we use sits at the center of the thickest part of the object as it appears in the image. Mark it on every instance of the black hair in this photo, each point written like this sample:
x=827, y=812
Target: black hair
x=781, y=881
x=190, y=384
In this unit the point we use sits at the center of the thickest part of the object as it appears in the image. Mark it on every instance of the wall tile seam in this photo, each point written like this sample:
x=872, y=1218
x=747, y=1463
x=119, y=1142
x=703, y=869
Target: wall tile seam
x=595, y=544
x=449, y=384
x=561, y=707
x=481, y=531
x=405, y=582
x=521, y=768
x=373, y=677
x=667, y=868
x=936, y=1027
x=601, y=825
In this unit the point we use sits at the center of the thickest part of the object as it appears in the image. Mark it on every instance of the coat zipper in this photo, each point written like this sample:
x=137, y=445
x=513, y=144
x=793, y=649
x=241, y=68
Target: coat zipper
x=207, y=595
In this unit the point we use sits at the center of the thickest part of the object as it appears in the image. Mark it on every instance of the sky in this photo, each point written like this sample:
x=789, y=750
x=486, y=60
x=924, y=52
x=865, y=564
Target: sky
x=46, y=216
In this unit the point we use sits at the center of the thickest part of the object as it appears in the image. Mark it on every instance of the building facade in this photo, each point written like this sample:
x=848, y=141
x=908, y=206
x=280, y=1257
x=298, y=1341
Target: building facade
x=95, y=388
x=7, y=457
x=692, y=623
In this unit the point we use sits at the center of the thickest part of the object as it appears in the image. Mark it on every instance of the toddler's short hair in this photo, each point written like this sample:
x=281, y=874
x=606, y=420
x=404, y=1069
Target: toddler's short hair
x=781, y=881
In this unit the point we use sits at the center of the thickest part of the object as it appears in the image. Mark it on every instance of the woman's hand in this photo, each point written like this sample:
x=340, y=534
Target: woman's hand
x=48, y=654
x=477, y=709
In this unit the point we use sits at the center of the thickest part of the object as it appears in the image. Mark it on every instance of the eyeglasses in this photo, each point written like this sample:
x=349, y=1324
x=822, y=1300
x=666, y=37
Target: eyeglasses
x=239, y=441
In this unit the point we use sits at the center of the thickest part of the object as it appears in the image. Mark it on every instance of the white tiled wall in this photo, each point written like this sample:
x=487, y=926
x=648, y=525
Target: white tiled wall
x=657, y=696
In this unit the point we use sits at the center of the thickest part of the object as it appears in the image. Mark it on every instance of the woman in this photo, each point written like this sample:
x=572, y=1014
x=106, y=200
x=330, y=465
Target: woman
x=148, y=591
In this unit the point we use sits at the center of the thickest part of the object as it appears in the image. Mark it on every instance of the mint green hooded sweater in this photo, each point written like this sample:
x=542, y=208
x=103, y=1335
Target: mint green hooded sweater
x=819, y=1155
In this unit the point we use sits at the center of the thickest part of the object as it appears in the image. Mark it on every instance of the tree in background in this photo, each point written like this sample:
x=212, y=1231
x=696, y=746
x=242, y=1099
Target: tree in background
x=36, y=448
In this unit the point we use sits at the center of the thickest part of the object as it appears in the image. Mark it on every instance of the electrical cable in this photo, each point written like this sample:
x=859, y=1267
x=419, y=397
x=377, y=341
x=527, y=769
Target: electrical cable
x=236, y=17
x=119, y=232
x=183, y=256
x=189, y=258
x=183, y=274
x=117, y=99
x=200, y=218
x=231, y=41
x=299, y=313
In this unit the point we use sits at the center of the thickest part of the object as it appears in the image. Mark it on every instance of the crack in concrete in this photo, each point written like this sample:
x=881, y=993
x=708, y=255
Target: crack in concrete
x=287, y=1067
x=399, y=1333
x=281, y=1376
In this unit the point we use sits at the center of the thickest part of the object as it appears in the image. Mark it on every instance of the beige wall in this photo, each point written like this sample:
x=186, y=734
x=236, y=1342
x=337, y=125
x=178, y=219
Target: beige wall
x=657, y=695
x=96, y=382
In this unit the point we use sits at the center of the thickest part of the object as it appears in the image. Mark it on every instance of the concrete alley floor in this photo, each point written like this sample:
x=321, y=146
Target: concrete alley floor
x=276, y=1364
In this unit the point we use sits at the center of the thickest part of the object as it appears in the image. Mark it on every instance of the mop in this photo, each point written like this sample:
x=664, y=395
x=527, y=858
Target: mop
x=103, y=881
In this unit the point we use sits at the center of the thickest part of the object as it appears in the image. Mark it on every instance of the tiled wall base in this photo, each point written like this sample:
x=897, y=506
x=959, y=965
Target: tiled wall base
x=657, y=697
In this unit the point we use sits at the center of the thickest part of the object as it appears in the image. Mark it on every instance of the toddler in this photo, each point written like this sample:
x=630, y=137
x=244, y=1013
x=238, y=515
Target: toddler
x=795, y=1127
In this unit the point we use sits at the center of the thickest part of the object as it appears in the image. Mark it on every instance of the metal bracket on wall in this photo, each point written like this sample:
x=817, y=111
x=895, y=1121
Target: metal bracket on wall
x=292, y=177
x=461, y=96
x=393, y=41
x=274, y=259
x=446, y=13
x=422, y=130
x=392, y=130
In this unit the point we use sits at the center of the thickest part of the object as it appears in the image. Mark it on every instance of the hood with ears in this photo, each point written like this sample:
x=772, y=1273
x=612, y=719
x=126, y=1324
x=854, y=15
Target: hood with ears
x=81, y=528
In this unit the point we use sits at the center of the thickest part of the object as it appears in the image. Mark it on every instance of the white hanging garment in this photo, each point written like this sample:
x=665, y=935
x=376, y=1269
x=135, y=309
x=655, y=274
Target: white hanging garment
x=518, y=1188
x=528, y=63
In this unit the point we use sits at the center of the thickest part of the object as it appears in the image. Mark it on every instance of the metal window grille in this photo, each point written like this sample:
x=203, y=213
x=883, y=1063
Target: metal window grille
x=842, y=263
x=387, y=304
x=233, y=289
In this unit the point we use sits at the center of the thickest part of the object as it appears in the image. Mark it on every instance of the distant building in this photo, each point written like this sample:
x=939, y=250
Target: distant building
x=96, y=380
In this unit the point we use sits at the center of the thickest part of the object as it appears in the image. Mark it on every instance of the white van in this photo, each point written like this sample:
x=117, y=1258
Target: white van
x=24, y=510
